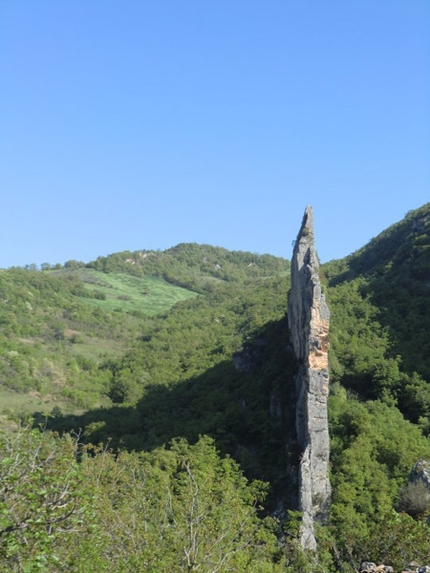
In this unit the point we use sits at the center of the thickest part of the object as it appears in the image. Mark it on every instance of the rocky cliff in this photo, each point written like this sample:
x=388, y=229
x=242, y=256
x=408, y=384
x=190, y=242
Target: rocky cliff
x=309, y=317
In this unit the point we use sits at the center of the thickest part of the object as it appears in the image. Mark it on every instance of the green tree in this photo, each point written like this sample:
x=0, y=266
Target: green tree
x=43, y=501
x=179, y=510
x=373, y=451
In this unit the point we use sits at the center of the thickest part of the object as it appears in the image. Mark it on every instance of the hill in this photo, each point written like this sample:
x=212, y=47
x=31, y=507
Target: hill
x=389, y=280
x=60, y=325
x=215, y=360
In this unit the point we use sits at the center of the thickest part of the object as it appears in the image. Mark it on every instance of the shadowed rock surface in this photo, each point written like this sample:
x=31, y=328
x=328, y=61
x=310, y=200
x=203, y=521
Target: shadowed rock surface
x=309, y=317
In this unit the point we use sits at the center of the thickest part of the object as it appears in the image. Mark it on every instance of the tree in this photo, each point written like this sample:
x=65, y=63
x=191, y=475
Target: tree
x=180, y=510
x=43, y=501
x=73, y=264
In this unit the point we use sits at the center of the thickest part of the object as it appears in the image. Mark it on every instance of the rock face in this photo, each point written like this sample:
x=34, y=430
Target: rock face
x=420, y=473
x=309, y=317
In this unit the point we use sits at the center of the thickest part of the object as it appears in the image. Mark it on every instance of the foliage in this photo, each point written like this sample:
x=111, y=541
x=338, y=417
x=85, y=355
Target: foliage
x=173, y=510
x=43, y=500
x=182, y=509
x=373, y=450
x=393, y=271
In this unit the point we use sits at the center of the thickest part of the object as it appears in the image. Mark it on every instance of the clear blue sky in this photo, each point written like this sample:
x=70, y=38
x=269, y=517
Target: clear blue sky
x=140, y=124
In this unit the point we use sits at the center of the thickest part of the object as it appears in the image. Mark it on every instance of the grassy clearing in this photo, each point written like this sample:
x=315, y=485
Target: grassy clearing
x=96, y=348
x=27, y=404
x=126, y=293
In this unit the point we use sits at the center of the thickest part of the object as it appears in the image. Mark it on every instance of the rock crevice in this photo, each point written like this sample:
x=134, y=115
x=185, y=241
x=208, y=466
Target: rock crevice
x=309, y=318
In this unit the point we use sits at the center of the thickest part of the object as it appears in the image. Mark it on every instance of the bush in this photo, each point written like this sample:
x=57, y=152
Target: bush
x=414, y=499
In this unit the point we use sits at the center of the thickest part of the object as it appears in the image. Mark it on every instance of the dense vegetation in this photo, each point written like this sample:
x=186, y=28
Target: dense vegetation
x=177, y=448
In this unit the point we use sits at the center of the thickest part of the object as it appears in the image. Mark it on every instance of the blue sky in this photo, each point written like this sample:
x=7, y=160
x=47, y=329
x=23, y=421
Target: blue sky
x=141, y=124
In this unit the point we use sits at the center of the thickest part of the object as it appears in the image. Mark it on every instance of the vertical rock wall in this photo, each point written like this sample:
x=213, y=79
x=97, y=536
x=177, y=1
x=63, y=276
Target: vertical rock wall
x=309, y=317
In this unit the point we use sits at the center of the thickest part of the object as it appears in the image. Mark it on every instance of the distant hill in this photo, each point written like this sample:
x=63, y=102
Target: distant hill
x=60, y=324
x=193, y=266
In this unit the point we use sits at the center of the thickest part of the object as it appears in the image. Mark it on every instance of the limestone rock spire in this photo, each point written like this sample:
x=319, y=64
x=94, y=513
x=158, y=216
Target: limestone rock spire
x=309, y=318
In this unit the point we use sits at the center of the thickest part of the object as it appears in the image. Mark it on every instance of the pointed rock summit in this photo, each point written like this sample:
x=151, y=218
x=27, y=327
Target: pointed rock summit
x=309, y=318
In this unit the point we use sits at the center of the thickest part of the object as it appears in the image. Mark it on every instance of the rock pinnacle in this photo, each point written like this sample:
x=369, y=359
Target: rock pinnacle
x=309, y=318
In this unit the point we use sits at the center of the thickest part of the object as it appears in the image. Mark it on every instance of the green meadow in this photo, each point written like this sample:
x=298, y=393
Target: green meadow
x=122, y=292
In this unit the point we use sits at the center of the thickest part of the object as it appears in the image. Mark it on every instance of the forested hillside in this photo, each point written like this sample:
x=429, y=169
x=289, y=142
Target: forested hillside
x=380, y=394
x=170, y=379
